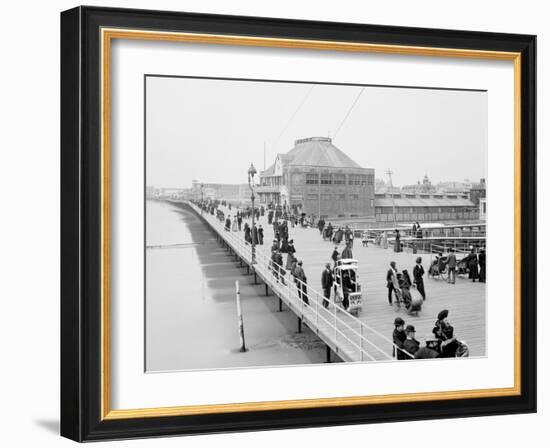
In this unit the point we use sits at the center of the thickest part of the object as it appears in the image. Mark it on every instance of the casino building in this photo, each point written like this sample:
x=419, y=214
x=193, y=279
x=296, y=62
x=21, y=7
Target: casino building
x=317, y=178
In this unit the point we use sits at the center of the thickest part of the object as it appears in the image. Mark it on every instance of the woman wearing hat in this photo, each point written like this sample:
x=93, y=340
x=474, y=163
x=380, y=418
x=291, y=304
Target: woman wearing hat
x=444, y=331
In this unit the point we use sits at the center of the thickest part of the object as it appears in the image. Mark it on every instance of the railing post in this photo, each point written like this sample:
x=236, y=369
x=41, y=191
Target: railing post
x=361, y=340
x=335, y=333
x=316, y=312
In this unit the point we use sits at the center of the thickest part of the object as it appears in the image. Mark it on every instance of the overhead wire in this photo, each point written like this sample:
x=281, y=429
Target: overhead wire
x=304, y=99
x=349, y=112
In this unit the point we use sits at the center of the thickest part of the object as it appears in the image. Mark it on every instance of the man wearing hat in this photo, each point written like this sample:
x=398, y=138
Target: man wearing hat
x=428, y=348
x=279, y=266
x=399, y=337
x=301, y=282
x=451, y=266
x=410, y=345
x=335, y=255
x=261, y=235
x=391, y=281
x=418, y=273
x=327, y=280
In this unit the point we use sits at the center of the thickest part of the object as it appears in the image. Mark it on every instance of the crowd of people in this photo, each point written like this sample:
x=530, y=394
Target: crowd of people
x=474, y=264
x=440, y=343
x=404, y=288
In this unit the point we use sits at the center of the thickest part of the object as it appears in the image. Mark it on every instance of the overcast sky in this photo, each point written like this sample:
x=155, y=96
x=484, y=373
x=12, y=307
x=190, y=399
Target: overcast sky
x=211, y=130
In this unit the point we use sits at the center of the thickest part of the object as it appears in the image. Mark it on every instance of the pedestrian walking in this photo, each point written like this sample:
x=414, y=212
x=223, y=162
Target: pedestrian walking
x=228, y=223
x=397, y=242
x=255, y=235
x=261, y=235
x=327, y=280
x=335, y=255
x=391, y=282
x=279, y=265
x=418, y=230
x=473, y=265
x=451, y=266
x=482, y=259
x=384, y=240
x=347, y=253
x=301, y=282
x=418, y=274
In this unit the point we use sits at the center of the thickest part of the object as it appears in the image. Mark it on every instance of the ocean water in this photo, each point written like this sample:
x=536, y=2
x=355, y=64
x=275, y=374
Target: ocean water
x=191, y=317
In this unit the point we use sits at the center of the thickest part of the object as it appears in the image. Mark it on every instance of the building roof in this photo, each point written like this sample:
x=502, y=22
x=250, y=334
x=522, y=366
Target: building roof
x=423, y=202
x=318, y=151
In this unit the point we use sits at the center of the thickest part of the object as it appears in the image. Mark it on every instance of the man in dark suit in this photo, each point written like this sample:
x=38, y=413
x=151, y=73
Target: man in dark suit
x=327, y=280
x=451, y=266
x=301, y=282
x=482, y=265
x=399, y=337
x=391, y=281
x=335, y=255
x=410, y=345
x=418, y=274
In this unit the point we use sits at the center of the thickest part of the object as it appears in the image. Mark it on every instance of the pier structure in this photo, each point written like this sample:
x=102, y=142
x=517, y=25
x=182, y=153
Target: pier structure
x=345, y=335
x=367, y=336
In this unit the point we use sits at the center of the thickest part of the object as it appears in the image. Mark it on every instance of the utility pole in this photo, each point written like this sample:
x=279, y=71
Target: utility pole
x=319, y=204
x=264, y=156
x=389, y=173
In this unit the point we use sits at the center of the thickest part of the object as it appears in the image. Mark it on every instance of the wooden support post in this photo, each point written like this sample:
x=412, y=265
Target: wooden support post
x=266, y=290
x=299, y=325
x=328, y=353
x=240, y=317
x=280, y=305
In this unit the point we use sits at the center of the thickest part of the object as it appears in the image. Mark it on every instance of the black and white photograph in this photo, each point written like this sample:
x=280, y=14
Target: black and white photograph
x=291, y=223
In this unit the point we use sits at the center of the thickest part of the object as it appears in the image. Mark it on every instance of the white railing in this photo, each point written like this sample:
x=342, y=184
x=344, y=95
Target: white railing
x=348, y=335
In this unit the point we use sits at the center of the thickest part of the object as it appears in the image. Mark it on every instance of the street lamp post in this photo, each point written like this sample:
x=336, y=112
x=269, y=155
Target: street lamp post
x=251, y=172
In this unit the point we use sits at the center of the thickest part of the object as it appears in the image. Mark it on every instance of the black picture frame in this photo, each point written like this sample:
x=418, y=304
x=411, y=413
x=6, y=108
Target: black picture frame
x=81, y=224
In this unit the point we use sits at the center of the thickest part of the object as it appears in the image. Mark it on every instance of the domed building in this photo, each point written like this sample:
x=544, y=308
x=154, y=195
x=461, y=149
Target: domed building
x=317, y=178
x=426, y=187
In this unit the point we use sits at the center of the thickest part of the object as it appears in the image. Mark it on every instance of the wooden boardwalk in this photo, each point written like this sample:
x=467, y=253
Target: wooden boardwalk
x=466, y=301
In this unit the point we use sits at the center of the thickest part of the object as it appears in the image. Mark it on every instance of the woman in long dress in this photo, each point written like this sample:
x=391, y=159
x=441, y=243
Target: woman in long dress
x=384, y=240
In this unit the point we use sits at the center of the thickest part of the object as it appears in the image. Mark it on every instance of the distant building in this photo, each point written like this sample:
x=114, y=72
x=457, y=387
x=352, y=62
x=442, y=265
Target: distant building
x=454, y=187
x=426, y=187
x=478, y=191
x=235, y=193
x=424, y=208
x=483, y=209
x=317, y=178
